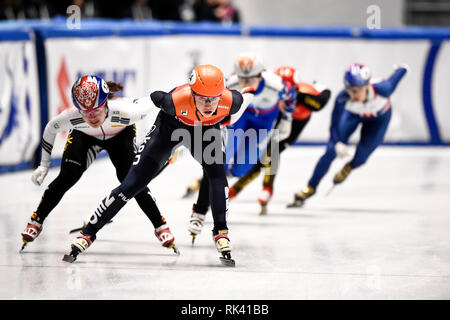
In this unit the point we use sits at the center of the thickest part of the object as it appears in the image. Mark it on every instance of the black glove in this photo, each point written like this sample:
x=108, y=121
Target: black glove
x=314, y=102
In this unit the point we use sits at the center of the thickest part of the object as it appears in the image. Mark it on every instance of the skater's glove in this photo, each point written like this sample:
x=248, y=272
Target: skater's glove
x=403, y=65
x=39, y=175
x=284, y=127
x=248, y=90
x=341, y=150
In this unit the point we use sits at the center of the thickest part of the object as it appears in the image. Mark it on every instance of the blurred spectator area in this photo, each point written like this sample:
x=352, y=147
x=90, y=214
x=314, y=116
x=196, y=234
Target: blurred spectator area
x=29, y=9
x=174, y=10
x=393, y=13
x=427, y=12
x=215, y=10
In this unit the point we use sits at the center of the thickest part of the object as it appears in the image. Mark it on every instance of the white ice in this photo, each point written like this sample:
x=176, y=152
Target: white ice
x=383, y=234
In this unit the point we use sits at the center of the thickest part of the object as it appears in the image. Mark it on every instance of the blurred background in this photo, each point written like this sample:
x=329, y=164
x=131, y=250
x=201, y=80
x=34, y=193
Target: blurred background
x=285, y=12
x=154, y=44
x=383, y=235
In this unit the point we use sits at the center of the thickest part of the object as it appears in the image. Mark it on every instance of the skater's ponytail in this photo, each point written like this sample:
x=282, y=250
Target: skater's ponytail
x=113, y=87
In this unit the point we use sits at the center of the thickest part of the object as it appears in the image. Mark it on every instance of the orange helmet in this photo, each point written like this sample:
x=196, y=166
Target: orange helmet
x=288, y=74
x=207, y=80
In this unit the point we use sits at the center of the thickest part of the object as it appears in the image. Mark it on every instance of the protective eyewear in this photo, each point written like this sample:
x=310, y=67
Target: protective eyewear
x=355, y=90
x=92, y=113
x=204, y=99
x=248, y=79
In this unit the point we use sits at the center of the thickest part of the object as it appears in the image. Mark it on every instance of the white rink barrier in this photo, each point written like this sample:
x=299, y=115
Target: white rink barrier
x=20, y=123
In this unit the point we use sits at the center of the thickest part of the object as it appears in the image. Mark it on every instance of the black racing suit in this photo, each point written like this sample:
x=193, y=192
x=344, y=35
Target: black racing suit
x=154, y=153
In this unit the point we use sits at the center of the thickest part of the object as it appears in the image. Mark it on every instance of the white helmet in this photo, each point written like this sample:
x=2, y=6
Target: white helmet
x=248, y=65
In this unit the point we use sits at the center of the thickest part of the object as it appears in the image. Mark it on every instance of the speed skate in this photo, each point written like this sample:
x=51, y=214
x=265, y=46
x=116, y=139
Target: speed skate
x=226, y=259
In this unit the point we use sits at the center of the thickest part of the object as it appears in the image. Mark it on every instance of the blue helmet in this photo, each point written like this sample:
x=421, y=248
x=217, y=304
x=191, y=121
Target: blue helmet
x=89, y=93
x=356, y=74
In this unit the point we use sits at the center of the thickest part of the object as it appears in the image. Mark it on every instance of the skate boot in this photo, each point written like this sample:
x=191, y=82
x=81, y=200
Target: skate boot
x=31, y=232
x=196, y=224
x=79, y=245
x=192, y=188
x=264, y=199
x=166, y=237
x=343, y=174
x=300, y=197
x=223, y=246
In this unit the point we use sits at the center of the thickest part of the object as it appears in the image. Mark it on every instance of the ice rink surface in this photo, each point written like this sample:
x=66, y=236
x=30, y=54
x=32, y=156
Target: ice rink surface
x=383, y=234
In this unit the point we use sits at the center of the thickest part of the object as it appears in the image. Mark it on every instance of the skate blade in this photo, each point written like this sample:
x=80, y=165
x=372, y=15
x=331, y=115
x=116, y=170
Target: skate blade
x=295, y=205
x=25, y=242
x=193, y=235
x=329, y=191
x=69, y=258
x=263, y=210
x=79, y=229
x=227, y=261
x=189, y=193
x=174, y=248
x=75, y=230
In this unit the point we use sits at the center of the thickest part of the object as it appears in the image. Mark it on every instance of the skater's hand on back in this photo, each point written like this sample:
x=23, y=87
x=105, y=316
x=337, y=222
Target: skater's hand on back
x=248, y=90
x=403, y=65
x=39, y=175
